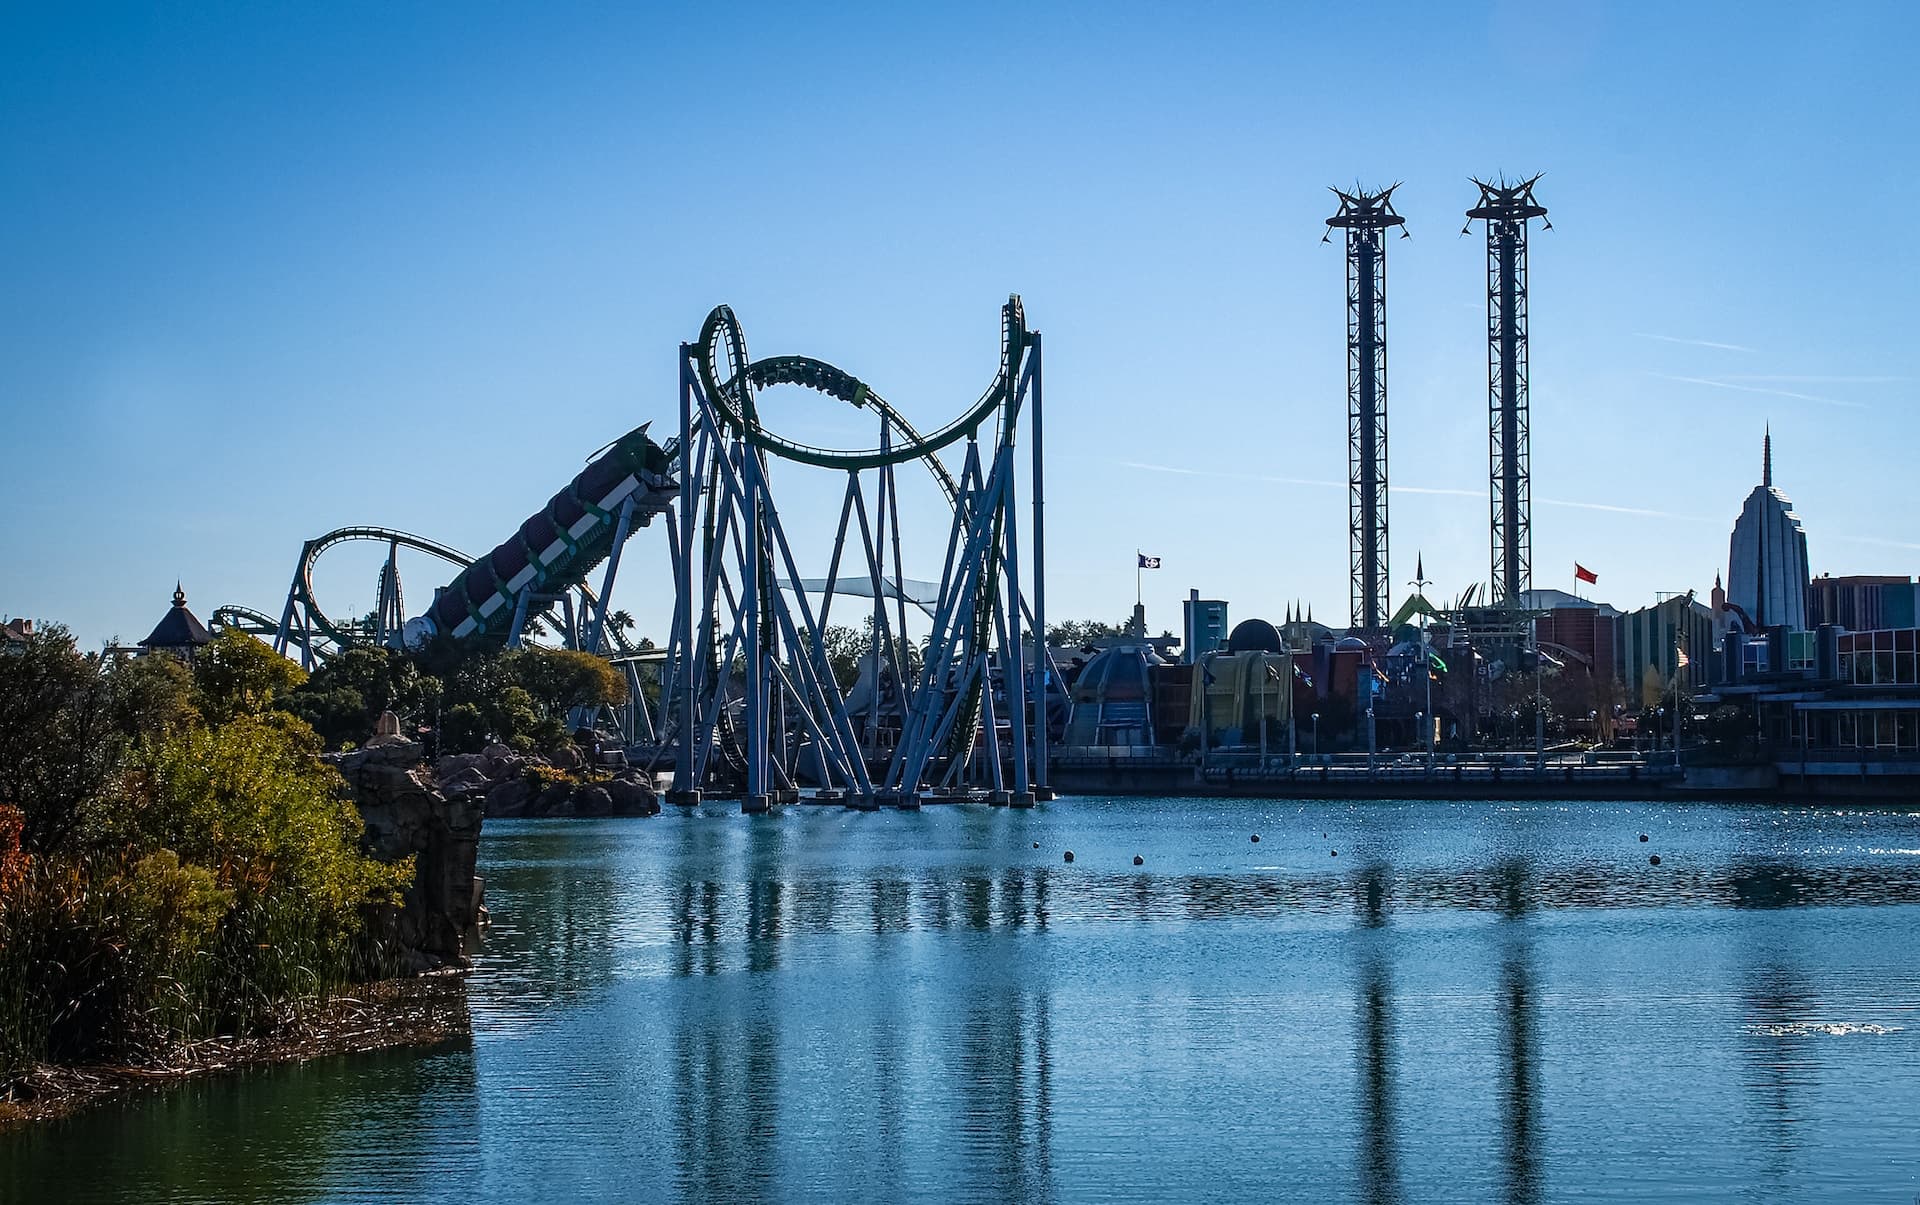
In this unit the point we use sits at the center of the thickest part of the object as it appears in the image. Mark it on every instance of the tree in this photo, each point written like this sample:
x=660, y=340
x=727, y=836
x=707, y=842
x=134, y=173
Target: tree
x=342, y=698
x=1076, y=633
x=239, y=675
x=559, y=680
x=59, y=745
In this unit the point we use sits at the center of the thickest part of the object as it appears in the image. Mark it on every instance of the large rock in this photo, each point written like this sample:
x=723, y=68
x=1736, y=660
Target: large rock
x=453, y=763
x=632, y=797
x=592, y=801
x=462, y=782
x=566, y=757
x=556, y=800
x=509, y=799
x=407, y=815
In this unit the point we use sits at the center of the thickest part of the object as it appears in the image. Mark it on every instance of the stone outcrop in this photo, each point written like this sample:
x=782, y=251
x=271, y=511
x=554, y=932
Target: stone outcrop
x=509, y=785
x=406, y=813
x=433, y=814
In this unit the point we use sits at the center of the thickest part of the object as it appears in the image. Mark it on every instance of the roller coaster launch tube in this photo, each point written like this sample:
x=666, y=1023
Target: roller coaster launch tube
x=561, y=544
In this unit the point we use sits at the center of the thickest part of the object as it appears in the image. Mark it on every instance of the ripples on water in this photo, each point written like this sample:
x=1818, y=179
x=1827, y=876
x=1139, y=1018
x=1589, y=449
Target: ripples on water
x=1376, y=1002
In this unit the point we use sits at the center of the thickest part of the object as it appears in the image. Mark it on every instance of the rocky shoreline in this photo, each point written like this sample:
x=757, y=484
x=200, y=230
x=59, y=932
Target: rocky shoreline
x=508, y=785
x=425, y=1010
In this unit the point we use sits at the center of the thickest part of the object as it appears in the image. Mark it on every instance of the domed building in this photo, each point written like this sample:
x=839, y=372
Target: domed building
x=1112, y=698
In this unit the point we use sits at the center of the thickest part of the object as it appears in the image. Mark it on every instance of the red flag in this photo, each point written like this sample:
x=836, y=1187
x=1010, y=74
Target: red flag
x=1584, y=574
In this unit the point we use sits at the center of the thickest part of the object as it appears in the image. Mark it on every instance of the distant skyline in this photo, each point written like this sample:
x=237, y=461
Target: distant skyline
x=274, y=271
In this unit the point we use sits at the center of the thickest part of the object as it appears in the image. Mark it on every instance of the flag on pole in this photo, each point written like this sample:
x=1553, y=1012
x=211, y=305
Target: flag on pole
x=1583, y=574
x=1680, y=656
x=1148, y=562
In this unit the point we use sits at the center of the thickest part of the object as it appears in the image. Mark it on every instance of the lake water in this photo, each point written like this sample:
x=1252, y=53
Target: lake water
x=1469, y=1002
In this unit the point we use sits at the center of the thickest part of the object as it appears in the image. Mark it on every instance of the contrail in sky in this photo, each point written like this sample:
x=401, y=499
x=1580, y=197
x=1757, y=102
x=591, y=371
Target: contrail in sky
x=1440, y=491
x=1641, y=511
x=1787, y=393
x=1790, y=379
x=1693, y=342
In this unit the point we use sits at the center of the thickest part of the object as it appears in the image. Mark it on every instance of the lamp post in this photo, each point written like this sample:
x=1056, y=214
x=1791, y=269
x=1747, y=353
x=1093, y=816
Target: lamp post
x=1316, y=734
x=1420, y=584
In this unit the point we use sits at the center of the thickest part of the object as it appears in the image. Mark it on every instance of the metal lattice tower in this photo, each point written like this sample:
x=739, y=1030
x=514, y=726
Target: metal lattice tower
x=1506, y=209
x=1366, y=216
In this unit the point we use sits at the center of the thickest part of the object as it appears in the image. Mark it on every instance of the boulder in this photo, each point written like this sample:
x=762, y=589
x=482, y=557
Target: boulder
x=566, y=757
x=592, y=801
x=509, y=799
x=466, y=781
x=452, y=763
x=631, y=797
x=556, y=800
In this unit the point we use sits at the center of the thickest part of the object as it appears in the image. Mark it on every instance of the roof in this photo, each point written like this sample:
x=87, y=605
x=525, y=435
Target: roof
x=1559, y=600
x=179, y=628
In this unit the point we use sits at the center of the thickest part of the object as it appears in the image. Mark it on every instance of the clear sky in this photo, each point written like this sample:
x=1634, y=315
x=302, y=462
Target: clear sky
x=268, y=270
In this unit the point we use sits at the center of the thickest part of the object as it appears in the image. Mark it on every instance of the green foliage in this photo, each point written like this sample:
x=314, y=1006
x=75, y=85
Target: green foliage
x=238, y=675
x=463, y=729
x=162, y=878
x=60, y=747
x=1077, y=633
x=559, y=680
x=343, y=698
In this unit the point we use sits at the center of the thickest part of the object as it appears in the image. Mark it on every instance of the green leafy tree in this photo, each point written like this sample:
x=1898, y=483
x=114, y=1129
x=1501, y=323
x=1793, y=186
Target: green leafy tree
x=559, y=680
x=59, y=744
x=342, y=698
x=239, y=675
x=1077, y=633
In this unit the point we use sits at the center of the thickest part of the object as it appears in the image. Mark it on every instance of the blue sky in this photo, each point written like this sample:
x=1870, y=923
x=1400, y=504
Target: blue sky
x=268, y=272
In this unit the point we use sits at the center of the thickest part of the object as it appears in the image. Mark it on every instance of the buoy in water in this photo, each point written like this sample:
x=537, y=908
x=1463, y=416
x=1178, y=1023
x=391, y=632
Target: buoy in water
x=1336, y=853
x=1036, y=845
x=1138, y=860
x=1069, y=855
x=1654, y=860
x=1643, y=836
x=1256, y=838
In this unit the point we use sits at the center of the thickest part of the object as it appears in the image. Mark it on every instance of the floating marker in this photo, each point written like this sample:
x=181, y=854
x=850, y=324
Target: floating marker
x=1069, y=855
x=1138, y=860
x=1654, y=860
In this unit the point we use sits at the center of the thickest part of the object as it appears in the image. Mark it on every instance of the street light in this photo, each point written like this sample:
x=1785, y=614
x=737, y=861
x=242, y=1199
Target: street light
x=1316, y=734
x=1420, y=583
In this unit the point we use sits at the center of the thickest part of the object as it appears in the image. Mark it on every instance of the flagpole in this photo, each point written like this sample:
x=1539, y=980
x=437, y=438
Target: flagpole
x=1137, y=599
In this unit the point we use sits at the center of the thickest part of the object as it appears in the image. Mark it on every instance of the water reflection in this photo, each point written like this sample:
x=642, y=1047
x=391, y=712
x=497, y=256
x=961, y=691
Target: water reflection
x=725, y=1111
x=1379, y=1154
x=1519, y=1042
x=1006, y=1116
x=1778, y=1068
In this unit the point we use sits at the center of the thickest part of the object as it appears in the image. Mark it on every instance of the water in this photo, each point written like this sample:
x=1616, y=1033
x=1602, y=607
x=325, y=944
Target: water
x=1471, y=1002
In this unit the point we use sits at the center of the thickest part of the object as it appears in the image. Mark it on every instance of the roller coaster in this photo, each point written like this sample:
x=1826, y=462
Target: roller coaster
x=748, y=703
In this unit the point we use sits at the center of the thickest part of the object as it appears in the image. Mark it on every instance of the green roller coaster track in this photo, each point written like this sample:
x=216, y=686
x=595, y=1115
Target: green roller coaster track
x=721, y=337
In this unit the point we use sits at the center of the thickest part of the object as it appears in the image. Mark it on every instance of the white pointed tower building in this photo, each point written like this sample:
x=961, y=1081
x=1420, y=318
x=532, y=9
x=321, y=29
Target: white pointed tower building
x=1767, y=558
